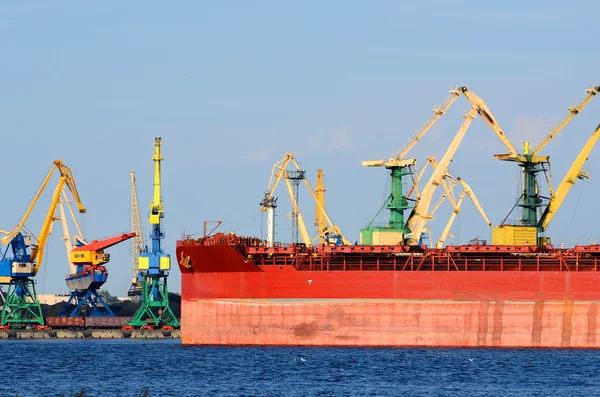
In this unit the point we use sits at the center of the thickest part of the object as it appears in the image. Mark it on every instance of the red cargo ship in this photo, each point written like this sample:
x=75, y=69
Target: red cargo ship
x=238, y=291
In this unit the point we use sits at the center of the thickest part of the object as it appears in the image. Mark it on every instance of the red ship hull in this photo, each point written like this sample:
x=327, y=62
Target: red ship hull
x=256, y=296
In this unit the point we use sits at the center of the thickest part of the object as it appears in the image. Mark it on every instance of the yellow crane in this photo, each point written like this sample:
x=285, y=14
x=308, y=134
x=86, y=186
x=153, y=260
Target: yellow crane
x=320, y=221
x=448, y=194
x=269, y=202
x=22, y=306
x=419, y=215
x=575, y=172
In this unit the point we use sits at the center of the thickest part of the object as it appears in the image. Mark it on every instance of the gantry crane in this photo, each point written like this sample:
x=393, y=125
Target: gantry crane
x=154, y=264
x=138, y=243
x=531, y=201
x=22, y=306
x=269, y=203
x=88, y=271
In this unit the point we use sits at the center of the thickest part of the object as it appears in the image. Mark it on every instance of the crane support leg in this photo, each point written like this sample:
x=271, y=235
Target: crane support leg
x=87, y=301
x=22, y=307
x=155, y=309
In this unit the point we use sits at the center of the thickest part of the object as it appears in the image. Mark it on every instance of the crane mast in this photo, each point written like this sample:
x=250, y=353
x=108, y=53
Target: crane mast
x=154, y=265
x=138, y=243
x=319, y=216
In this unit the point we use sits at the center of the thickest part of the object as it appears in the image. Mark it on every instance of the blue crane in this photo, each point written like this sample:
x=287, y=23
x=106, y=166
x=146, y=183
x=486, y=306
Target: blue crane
x=154, y=264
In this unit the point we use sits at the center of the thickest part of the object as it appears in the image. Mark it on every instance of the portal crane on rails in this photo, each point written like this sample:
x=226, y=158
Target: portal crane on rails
x=269, y=203
x=154, y=264
x=88, y=269
x=22, y=307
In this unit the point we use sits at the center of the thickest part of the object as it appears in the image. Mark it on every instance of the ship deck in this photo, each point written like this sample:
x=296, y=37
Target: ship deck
x=493, y=258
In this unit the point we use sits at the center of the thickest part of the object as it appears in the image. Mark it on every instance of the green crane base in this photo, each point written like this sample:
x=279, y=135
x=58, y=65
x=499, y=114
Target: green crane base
x=22, y=307
x=155, y=309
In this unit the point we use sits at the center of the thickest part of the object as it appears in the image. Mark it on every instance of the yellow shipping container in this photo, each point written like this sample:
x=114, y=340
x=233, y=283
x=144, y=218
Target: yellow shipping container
x=387, y=238
x=514, y=235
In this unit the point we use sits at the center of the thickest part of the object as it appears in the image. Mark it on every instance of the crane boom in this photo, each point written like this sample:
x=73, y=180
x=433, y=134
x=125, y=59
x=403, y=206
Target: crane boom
x=419, y=215
x=67, y=178
x=138, y=242
x=466, y=191
x=156, y=208
x=489, y=118
x=320, y=194
x=437, y=113
x=301, y=225
x=569, y=180
x=573, y=111
x=66, y=235
x=276, y=175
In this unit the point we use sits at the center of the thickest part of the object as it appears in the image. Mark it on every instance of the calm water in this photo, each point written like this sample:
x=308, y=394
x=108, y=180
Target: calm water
x=122, y=367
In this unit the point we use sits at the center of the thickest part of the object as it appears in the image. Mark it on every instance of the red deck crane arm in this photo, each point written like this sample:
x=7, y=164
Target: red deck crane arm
x=97, y=245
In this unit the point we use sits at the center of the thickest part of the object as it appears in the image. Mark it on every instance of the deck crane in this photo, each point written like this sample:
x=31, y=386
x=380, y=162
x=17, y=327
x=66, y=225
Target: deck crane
x=138, y=243
x=397, y=202
x=22, y=307
x=419, y=214
x=574, y=173
x=154, y=264
x=532, y=163
x=88, y=271
x=400, y=167
x=269, y=203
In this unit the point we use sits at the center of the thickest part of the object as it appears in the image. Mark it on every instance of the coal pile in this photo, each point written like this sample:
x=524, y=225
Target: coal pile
x=125, y=308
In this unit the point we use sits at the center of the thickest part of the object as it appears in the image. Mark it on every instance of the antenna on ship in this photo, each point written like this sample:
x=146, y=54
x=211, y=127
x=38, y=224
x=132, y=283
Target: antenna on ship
x=154, y=265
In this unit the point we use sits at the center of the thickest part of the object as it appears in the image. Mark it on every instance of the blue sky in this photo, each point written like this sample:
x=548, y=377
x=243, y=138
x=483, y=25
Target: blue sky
x=232, y=86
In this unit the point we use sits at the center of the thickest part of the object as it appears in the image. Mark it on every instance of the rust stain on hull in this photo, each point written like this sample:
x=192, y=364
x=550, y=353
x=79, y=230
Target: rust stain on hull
x=392, y=322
